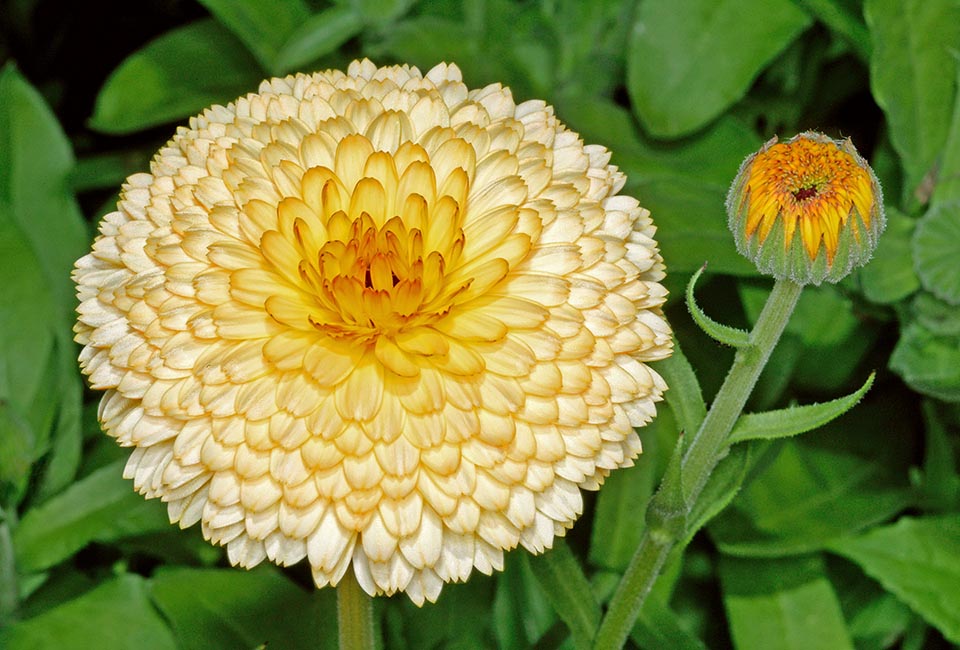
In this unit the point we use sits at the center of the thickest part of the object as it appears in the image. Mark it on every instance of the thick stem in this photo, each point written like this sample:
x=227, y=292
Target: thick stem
x=679, y=490
x=9, y=595
x=354, y=615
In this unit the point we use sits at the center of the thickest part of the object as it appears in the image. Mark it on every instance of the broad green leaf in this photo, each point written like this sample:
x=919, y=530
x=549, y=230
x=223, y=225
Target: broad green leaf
x=890, y=276
x=725, y=334
x=918, y=560
x=936, y=251
x=100, y=507
x=947, y=189
x=264, y=27
x=225, y=609
x=912, y=43
x=618, y=520
x=176, y=75
x=318, y=35
x=117, y=614
x=928, y=362
x=941, y=480
x=41, y=234
x=660, y=628
x=64, y=446
x=684, y=397
x=723, y=486
x=711, y=50
x=784, y=604
x=444, y=625
x=828, y=483
x=874, y=616
x=108, y=170
x=36, y=162
x=794, y=420
x=935, y=315
x=379, y=12
x=521, y=613
x=844, y=19
x=566, y=588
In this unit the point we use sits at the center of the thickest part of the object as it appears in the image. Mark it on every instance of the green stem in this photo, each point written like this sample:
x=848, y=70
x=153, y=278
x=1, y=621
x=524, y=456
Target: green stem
x=9, y=596
x=354, y=615
x=666, y=514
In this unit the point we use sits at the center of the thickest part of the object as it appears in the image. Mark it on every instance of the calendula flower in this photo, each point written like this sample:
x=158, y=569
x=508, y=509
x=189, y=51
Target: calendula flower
x=809, y=209
x=377, y=320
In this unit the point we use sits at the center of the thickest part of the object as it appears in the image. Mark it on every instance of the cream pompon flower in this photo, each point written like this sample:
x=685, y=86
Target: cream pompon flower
x=375, y=319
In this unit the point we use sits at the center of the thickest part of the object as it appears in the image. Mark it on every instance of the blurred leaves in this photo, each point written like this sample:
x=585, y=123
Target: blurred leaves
x=936, y=251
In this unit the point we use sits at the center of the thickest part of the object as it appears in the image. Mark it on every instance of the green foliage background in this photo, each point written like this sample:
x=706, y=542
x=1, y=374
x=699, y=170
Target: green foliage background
x=847, y=537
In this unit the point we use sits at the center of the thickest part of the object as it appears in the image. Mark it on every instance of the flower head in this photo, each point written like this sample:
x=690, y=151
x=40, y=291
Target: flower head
x=377, y=320
x=809, y=208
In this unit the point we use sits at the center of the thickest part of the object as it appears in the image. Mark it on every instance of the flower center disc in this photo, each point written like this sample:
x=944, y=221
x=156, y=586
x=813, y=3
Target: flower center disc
x=371, y=259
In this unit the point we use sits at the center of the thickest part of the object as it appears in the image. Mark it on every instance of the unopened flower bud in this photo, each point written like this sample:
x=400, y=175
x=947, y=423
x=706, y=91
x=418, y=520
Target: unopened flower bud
x=809, y=209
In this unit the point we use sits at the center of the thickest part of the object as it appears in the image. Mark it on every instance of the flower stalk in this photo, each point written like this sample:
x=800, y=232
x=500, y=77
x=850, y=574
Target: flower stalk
x=679, y=490
x=354, y=615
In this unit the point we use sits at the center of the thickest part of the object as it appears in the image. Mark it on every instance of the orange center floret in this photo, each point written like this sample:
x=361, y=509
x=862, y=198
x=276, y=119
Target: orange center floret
x=808, y=183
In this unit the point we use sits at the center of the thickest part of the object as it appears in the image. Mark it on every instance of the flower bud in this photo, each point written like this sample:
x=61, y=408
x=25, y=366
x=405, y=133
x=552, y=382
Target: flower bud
x=809, y=209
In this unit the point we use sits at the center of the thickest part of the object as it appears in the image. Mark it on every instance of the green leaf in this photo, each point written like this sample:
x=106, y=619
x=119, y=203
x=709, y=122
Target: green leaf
x=828, y=483
x=918, y=560
x=108, y=170
x=928, y=362
x=566, y=588
x=100, y=507
x=725, y=334
x=936, y=250
x=618, y=519
x=684, y=397
x=317, y=36
x=722, y=487
x=941, y=480
x=117, y=614
x=889, y=277
x=947, y=189
x=176, y=75
x=659, y=627
x=521, y=613
x=41, y=234
x=912, y=42
x=785, y=604
x=935, y=315
x=708, y=49
x=225, y=609
x=795, y=420
x=844, y=19
x=264, y=27
x=444, y=625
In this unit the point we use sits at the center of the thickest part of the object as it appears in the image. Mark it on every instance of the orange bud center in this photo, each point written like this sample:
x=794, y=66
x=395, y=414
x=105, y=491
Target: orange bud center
x=813, y=186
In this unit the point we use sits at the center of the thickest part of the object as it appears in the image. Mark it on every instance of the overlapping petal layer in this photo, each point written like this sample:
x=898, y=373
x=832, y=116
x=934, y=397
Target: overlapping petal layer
x=377, y=319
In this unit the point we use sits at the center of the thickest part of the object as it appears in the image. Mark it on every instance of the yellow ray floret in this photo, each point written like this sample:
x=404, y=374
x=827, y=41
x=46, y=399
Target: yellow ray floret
x=813, y=186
